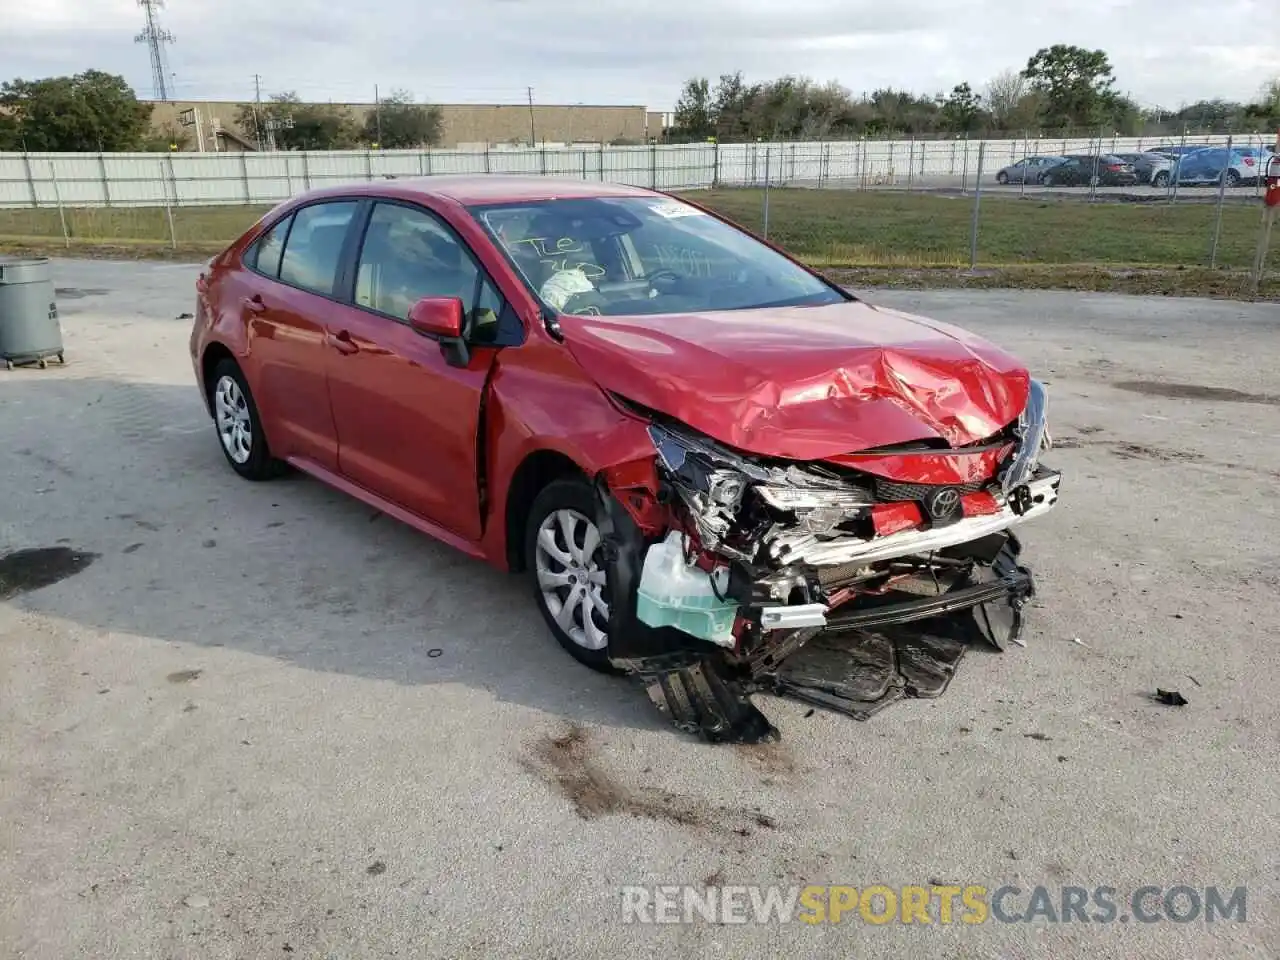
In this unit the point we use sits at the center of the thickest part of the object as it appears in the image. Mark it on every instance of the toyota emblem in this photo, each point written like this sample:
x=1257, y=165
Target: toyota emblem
x=943, y=503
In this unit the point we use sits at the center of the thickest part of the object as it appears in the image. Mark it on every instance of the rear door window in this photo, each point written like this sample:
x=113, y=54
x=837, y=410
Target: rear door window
x=314, y=248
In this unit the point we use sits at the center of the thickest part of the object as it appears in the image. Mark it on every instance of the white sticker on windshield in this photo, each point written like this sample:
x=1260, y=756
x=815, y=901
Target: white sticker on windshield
x=671, y=210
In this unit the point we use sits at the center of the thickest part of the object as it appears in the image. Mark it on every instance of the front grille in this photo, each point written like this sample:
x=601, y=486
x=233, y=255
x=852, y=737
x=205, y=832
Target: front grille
x=888, y=491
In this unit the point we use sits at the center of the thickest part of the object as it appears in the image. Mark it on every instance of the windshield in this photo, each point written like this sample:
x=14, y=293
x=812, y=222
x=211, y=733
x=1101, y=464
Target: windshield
x=643, y=255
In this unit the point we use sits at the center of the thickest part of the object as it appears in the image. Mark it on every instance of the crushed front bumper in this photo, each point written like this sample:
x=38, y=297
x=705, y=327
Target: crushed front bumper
x=857, y=664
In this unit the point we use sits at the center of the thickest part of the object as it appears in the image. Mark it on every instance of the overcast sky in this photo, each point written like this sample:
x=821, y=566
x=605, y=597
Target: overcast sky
x=1165, y=52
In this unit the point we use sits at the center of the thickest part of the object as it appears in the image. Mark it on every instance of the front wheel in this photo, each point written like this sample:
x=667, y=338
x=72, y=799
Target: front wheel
x=1161, y=179
x=1233, y=178
x=1002, y=178
x=240, y=433
x=1047, y=180
x=564, y=554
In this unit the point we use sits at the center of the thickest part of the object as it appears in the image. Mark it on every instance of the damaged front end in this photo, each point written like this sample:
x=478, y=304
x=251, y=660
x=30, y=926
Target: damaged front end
x=838, y=583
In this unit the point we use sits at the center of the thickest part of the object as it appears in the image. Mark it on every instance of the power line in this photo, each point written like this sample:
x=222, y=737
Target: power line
x=156, y=38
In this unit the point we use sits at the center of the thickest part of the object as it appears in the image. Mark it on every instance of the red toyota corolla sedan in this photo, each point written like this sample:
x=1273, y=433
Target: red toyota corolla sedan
x=723, y=473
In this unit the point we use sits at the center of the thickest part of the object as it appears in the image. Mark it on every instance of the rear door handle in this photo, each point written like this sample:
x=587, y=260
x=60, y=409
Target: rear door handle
x=342, y=342
x=254, y=304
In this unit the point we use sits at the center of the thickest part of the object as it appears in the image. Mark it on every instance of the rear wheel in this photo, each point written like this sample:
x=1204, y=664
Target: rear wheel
x=570, y=578
x=1047, y=179
x=1002, y=178
x=1161, y=179
x=1233, y=178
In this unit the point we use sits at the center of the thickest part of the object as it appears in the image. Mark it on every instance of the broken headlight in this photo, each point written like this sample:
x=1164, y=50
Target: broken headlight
x=714, y=482
x=1032, y=432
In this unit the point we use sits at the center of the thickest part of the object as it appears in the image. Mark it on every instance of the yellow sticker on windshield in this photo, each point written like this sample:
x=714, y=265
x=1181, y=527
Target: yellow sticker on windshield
x=672, y=210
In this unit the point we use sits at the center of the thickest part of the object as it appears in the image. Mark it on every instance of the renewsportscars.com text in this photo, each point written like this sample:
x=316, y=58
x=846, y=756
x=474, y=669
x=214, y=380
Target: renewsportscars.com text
x=932, y=904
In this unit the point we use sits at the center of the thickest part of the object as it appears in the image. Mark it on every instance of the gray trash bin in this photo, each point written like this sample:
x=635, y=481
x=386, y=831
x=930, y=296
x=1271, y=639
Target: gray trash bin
x=29, y=327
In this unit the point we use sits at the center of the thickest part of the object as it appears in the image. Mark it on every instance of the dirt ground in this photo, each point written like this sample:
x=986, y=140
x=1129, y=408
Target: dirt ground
x=263, y=720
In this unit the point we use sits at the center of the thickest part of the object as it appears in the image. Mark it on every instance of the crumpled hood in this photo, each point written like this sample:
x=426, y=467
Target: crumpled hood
x=805, y=383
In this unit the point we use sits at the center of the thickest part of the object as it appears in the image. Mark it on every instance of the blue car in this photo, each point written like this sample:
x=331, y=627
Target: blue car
x=1210, y=165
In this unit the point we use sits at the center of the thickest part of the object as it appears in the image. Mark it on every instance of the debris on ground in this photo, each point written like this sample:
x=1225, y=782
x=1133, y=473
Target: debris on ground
x=1171, y=698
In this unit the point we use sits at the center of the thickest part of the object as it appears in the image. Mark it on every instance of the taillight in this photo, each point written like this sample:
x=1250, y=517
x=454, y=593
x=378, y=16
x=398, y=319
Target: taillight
x=1248, y=161
x=1115, y=167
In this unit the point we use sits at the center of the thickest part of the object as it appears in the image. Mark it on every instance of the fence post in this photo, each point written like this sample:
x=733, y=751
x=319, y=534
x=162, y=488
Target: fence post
x=489, y=169
x=977, y=202
x=368, y=163
x=168, y=210
x=1217, y=219
x=765, y=233
x=57, y=196
x=306, y=170
x=1175, y=172
x=653, y=166
x=964, y=166
x=862, y=162
x=31, y=179
x=911, y=164
x=715, y=162
x=106, y=183
x=581, y=153
x=244, y=171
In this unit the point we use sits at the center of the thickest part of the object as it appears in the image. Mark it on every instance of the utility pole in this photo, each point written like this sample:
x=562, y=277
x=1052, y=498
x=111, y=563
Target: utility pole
x=257, y=108
x=156, y=38
x=533, y=132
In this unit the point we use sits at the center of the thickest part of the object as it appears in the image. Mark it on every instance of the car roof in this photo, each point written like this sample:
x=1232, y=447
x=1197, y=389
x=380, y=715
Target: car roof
x=470, y=189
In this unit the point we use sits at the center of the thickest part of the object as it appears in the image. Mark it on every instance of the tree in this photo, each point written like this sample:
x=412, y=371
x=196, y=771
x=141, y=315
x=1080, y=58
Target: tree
x=90, y=111
x=694, y=117
x=1074, y=81
x=962, y=110
x=397, y=123
x=295, y=125
x=1012, y=103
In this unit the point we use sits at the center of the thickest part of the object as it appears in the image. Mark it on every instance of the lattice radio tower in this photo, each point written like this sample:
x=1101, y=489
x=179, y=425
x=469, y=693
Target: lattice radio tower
x=156, y=38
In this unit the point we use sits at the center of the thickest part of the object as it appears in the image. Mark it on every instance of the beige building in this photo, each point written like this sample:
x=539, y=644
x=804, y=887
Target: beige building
x=462, y=124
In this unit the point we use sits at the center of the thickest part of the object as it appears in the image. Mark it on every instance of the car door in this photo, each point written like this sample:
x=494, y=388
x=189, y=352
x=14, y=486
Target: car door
x=407, y=420
x=289, y=290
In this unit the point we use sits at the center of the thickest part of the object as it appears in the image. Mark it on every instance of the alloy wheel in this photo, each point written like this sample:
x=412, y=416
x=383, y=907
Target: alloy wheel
x=235, y=425
x=571, y=577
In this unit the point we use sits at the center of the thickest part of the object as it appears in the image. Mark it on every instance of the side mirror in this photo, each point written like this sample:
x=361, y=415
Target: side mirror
x=441, y=319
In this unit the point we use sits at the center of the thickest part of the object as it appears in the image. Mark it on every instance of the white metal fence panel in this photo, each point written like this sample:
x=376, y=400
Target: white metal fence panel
x=200, y=179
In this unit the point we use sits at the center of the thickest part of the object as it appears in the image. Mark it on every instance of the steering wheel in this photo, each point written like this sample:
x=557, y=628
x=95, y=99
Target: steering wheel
x=665, y=274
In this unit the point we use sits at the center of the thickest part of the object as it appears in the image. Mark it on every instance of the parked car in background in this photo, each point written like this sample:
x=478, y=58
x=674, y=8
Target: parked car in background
x=1027, y=170
x=703, y=453
x=1178, y=150
x=1241, y=166
x=1152, y=168
x=1103, y=170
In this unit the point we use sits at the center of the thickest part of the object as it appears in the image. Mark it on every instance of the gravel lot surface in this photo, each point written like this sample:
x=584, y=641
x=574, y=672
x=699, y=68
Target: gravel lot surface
x=266, y=721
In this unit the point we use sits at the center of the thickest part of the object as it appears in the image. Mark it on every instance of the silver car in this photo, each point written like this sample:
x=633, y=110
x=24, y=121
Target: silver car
x=1151, y=167
x=1027, y=170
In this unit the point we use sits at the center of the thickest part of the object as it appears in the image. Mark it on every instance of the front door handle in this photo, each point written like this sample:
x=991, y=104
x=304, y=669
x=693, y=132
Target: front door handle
x=254, y=304
x=342, y=342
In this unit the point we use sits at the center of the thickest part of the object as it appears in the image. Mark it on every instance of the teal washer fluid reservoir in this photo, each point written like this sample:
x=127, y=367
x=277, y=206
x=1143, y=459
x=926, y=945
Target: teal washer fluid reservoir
x=672, y=593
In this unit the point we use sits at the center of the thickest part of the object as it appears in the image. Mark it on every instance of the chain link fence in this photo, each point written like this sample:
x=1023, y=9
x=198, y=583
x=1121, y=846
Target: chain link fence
x=1098, y=201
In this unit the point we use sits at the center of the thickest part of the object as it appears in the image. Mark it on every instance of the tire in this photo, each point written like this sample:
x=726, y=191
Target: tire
x=1161, y=179
x=1002, y=178
x=238, y=425
x=565, y=581
x=1046, y=180
x=1233, y=178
